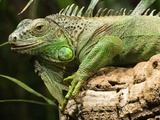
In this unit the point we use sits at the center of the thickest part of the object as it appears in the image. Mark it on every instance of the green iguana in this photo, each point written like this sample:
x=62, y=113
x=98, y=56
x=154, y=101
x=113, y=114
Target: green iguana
x=71, y=43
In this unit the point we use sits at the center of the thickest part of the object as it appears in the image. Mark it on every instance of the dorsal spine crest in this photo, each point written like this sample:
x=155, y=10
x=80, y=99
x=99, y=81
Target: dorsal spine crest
x=72, y=10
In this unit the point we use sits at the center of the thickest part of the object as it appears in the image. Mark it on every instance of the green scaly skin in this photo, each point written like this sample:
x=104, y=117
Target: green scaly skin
x=62, y=42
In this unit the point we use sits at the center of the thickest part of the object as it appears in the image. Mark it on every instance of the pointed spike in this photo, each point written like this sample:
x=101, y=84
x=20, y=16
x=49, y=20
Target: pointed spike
x=146, y=12
x=103, y=12
x=151, y=14
x=110, y=12
x=60, y=12
x=129, y=12
x=70, y=10
x=98, y=13
x=121, y=11
x=79, y=14
x=124, y=12
x=116, y=13
x=74, y=13
x=65, y=10
x=158, y=14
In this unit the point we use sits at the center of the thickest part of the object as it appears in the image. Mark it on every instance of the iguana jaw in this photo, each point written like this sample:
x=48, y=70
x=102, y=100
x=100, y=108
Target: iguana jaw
x=30, y=35
x=24, y=47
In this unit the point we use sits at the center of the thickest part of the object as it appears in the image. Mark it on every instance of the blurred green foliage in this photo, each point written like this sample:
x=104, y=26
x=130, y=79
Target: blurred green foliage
x=21, y=67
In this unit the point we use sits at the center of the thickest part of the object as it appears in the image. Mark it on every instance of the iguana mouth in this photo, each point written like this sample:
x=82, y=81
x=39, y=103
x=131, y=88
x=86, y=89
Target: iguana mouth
x=19, y=47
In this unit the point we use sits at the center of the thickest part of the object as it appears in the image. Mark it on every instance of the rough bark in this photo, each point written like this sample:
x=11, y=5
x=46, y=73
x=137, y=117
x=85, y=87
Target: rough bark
x=116, y=93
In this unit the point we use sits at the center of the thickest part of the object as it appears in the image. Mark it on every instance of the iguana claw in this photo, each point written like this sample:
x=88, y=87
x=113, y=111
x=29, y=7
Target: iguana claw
x=68, y=79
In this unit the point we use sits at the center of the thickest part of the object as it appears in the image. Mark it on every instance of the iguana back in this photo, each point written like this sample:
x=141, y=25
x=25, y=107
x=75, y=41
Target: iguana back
x=139, y=34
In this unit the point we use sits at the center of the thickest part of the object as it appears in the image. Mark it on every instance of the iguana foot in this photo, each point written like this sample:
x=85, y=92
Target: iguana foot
x=68, y=79
x=73, y=91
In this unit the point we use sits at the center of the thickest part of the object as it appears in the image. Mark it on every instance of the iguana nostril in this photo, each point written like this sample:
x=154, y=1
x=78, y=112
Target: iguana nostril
x=13, y=38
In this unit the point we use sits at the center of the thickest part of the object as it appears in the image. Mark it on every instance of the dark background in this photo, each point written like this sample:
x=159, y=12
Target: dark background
x=21, y=67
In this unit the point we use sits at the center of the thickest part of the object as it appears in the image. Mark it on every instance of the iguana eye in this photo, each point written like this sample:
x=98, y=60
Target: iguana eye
x=39, y=27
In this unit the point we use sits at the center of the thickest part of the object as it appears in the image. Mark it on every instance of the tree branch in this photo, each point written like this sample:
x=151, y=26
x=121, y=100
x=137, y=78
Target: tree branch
x=119, y=93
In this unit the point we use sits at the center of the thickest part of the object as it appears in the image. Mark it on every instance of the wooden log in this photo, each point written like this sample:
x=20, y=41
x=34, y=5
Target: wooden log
x=116, y=93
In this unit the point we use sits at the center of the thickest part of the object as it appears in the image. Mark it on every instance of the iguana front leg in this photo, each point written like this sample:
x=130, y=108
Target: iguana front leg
x=100, y=55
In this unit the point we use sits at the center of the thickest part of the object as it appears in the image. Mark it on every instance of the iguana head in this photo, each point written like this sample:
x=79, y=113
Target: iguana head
x=41, y=37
